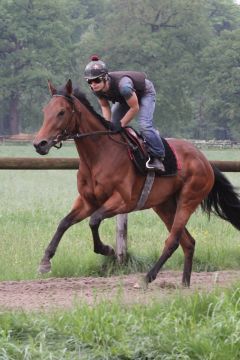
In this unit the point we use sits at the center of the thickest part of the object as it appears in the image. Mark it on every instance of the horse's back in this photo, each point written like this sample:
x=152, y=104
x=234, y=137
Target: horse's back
x=185, y=150
x=183, y=146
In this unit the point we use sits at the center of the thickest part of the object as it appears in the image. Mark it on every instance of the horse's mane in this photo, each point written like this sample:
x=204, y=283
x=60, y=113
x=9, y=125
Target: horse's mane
x=83, y=99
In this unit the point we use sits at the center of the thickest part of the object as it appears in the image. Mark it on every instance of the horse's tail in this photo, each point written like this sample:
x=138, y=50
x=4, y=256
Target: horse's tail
x=223, y=200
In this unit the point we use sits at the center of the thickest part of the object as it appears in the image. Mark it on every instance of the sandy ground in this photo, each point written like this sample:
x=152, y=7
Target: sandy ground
x=53, y=293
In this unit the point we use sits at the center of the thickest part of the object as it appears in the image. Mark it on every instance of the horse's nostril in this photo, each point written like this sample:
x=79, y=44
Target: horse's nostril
x=43, y=143
x=41, y=146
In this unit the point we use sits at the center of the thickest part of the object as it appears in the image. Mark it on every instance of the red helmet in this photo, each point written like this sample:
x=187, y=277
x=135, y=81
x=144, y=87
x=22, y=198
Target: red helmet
x=96, y=68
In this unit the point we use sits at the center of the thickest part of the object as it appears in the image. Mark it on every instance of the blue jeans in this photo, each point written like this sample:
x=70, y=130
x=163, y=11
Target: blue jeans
x=145, y=121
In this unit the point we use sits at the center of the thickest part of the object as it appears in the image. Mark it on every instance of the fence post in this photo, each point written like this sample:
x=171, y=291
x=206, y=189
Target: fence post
x=121, y=237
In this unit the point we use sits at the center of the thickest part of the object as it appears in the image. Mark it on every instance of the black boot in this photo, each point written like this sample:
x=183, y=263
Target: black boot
x=155, y=164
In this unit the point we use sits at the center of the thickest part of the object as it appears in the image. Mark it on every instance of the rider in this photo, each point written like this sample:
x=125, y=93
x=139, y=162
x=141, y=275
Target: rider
x=131, y=94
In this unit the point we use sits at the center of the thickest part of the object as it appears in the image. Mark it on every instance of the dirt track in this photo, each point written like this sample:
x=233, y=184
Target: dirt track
x=64, y=292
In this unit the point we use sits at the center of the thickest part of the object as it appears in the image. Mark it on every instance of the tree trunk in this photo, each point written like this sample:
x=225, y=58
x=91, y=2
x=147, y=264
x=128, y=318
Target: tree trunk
x=14, y=126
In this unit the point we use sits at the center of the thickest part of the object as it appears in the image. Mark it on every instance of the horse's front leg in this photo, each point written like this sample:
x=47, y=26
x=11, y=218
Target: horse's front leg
x=113, y=206
x=79, y=212
x=98, y=246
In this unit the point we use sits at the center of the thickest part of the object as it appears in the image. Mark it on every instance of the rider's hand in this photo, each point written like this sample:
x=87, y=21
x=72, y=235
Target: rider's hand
x=116, y=127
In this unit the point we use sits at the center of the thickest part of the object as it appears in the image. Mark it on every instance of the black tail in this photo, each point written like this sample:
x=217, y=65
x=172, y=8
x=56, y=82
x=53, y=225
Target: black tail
x=223, y=200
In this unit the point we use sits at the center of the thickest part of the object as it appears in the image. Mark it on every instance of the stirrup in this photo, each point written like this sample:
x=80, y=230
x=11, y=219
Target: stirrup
x=148, y=166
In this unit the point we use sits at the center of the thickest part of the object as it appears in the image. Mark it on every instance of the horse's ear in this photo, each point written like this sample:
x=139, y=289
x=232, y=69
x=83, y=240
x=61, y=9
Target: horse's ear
x=51, y=88
x=68, y=87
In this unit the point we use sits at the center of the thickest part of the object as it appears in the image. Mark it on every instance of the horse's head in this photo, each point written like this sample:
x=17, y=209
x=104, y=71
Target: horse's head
x=58, y=114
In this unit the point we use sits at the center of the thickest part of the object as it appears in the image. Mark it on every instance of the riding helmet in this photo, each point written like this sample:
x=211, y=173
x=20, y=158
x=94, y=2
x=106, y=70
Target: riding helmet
x=96, y=68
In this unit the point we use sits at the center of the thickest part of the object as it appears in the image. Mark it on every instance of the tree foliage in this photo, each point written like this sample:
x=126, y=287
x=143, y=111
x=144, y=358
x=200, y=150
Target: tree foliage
x=36, y=44
x=188, y=48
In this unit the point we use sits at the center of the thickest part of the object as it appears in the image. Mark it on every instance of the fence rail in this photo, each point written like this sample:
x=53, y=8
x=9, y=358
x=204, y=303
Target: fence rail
x=26, y=163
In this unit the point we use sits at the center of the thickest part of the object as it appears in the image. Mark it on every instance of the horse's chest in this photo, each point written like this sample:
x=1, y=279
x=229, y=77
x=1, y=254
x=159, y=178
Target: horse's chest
x=92, y=191
x=101, y=192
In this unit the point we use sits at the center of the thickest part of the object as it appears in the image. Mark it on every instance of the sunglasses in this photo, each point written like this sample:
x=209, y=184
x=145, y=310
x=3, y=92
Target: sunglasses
x=97, y=80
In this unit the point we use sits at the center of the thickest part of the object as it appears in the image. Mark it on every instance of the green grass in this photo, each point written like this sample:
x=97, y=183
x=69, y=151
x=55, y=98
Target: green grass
x=199, y=326
x=226, y=155
x=33, y=203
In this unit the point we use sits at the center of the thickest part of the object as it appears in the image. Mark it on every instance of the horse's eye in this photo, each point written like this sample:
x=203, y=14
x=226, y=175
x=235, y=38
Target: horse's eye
x=61, y=113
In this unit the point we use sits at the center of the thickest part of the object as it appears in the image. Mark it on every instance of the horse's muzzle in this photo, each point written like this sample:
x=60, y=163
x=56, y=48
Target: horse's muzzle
x=42, y=147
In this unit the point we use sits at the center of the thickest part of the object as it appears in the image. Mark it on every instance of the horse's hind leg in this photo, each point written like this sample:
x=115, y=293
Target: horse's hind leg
x=79, y=212
x=188, y=245
x=178, y=235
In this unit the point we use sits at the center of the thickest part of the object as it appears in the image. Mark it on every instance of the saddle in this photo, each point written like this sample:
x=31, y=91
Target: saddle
x=138, y=153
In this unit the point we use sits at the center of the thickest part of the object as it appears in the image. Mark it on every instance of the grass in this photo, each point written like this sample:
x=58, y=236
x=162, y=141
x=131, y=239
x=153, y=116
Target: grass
x=33, y=203
x=200, y=326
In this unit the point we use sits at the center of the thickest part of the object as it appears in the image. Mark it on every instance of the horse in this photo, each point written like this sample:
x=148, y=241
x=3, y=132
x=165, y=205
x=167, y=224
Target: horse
x=108, y=183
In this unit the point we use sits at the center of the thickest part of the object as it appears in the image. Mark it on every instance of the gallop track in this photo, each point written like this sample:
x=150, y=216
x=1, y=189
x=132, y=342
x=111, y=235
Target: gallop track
x=63, y=293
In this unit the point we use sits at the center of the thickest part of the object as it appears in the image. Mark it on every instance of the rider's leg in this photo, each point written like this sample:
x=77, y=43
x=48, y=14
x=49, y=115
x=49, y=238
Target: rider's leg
x=145, y=118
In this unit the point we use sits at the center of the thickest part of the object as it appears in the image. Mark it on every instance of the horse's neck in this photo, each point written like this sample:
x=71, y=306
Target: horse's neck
x=88, y=122
x=92, y=147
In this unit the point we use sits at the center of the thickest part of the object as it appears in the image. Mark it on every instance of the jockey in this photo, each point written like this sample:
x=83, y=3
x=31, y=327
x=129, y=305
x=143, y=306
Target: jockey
x=131, y=94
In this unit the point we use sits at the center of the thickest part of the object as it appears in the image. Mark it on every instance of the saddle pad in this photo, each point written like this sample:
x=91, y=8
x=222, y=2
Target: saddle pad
x=138, y=154
x=170, y=161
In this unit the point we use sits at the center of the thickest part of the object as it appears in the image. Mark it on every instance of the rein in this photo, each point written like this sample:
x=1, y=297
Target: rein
x=94, y=133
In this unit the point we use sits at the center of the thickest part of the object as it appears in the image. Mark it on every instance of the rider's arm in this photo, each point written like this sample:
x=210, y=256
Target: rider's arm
x=105, y=107
x=133, y=109
x=126, y=89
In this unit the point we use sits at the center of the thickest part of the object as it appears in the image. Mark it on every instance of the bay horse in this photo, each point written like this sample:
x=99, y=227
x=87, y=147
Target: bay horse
x=108, y=183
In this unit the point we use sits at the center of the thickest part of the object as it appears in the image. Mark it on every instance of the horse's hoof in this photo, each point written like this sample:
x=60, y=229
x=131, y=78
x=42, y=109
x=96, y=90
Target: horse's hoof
x=105, y=250
x=44, y=268
x=185, y=285
x=111, y=251
x=150, y=277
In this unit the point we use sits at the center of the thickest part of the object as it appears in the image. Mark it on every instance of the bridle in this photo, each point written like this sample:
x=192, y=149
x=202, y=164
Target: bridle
x=66, y=135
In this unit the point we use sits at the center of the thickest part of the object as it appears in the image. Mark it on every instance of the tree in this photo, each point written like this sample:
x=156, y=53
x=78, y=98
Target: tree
x=36, y=44
x=162, y=38
x=221, y=59
x=188, y=48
